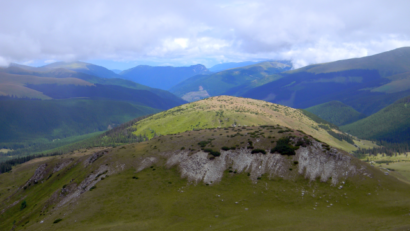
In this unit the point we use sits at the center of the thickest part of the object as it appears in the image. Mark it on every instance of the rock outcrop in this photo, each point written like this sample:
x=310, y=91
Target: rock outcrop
x=313, y=161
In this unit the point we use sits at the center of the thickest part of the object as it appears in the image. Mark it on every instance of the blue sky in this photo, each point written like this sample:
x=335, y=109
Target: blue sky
x=123, y=33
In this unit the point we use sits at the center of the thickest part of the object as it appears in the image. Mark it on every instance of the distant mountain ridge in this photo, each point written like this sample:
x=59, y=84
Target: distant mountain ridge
x=21, y=76
x=162, y=77
x=236, y=80
x=367, y=84
x=86, y=68
x=230, y=65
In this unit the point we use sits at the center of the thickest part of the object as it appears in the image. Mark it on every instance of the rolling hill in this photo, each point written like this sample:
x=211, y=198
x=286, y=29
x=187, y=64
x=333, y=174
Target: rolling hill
x=336, y=113
x=390, y=124
x=242, y=178
x=162, y=77
x=227, y=111
x=367, y=84
x=230, y=82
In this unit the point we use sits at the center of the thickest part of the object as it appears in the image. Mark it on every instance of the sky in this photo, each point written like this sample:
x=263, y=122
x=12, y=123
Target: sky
x=121, y=34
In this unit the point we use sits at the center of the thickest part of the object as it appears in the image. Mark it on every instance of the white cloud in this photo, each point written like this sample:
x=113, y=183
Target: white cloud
x=184, y=31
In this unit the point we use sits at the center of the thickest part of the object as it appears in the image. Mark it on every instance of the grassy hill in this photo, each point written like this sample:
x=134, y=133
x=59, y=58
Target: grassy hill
x=391, y=123
x=241, y=79
x=227, y=111
x=336, y=113
x=367, y=84
x=162, y=77
x=155, y=185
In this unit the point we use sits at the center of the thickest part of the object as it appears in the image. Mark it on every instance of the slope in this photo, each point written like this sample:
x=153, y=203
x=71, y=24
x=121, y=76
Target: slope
x=227, y=111
x=241, y=79
x=155, y=185
x=390, y=124
x=162, y=77
x=336, y=113
x=31, y=120
x=367, y=84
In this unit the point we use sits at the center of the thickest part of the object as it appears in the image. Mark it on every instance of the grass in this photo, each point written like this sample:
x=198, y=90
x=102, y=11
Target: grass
x=226, y=111
x=397, y=165
x=161, y=200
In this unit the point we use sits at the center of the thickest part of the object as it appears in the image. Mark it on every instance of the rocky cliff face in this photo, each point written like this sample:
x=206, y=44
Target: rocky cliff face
x=313, y=162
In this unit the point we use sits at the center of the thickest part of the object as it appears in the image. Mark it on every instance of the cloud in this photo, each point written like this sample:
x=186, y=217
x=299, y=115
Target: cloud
x=187, y=32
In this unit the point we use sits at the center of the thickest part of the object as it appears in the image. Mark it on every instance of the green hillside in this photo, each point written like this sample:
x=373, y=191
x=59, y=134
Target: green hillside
x=336, y=113
x=168, y=183
x=390, y=124
x=29, y=122
x=242, y=79
x=227, y=111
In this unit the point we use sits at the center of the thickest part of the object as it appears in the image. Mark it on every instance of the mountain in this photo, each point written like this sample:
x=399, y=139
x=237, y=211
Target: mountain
x=235, y=80
x=162, y=77
x=336, y=113
x=21, y=76
x=245, y=178
x=390, y=124
x=226, y=66
x=109, y=92
x=367, y=84
x=16, y=85
x=82, y=67
x=23, y=120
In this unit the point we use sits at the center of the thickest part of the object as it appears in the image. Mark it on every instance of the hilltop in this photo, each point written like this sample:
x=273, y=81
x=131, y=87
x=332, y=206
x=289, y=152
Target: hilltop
x=228, y=111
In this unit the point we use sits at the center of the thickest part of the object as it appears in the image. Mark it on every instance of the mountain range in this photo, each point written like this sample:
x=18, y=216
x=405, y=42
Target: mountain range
x=367, y=84
x=230, y=82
